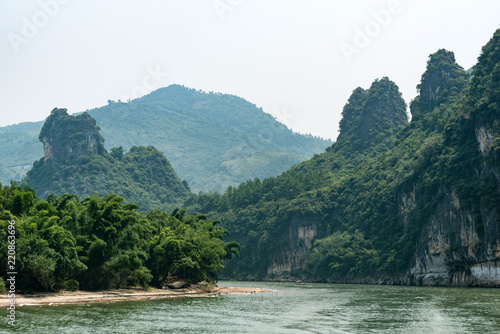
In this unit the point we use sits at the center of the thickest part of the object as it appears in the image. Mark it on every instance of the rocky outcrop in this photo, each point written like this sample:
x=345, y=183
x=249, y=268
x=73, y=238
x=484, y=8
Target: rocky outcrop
x=484, y=137
x=442, y=80
x=76, y=162
x=451, y=252
x=371, y=118
x=65, y=136
x=301, y=234
x=407, y=203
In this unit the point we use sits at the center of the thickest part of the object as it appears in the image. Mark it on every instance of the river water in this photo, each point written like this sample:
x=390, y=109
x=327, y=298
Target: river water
x=311, y=308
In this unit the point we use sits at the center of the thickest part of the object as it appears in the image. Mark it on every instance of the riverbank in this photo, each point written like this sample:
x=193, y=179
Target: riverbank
x=120, y=295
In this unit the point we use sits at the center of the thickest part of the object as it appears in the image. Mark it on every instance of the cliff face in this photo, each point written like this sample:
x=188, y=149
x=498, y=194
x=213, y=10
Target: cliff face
x=65, y=137
x=443, y=80
x=427, y=210
x=460, y=243
x=450, y=251
x=291, y=258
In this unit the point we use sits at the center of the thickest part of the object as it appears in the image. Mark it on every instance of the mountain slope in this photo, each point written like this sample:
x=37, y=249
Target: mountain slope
x=422, y=210
x=212, y=140
x=76, y=162
x=277, y=219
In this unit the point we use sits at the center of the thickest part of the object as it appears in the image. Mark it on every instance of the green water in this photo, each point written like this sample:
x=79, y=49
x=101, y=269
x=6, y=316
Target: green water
x=312, y=308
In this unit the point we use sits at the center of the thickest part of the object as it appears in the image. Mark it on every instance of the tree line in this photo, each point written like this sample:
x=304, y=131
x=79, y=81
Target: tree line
x=105, y=242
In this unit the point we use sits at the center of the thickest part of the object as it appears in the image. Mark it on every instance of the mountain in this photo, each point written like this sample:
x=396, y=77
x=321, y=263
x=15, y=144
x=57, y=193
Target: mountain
x=212, y=140
x=277, y=219
x=389, y=202
x=76, y=162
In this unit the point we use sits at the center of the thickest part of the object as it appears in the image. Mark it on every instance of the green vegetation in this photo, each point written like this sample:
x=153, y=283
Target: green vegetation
x=361, y=206
x=372, y=192
x=103, y=242
x=343, y=253
x=76, y=162
x=212, y=140
x=371, y=118
x=259, y=212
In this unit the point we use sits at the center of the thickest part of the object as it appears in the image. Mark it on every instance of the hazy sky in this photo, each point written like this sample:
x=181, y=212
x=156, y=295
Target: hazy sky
x=298, y=60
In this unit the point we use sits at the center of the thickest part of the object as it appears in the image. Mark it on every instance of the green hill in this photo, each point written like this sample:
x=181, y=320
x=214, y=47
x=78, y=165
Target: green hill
x=76, y=162
x=388, y=202
x=212, y=140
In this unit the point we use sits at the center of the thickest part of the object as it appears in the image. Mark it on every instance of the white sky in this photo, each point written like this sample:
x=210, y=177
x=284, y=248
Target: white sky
x=283, y=55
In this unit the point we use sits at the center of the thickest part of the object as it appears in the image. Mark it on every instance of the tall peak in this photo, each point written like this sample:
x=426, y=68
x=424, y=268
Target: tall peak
x=443, y=79
x=484, y=93
x=65, y=136
x=371, y=117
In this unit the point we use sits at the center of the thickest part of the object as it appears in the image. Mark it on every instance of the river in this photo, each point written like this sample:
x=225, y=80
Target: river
x=310, y=308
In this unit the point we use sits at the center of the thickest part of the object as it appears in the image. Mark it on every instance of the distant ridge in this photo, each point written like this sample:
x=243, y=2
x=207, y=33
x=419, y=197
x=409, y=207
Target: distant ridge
x=212, y=140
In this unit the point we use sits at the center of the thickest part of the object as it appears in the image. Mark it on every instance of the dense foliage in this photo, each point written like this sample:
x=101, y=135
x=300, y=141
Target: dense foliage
x=212, y=140
x=76, y=162
x=370, y=199
x=259, y=212
x=372, y=117
x=103, y=242
x=443, y=80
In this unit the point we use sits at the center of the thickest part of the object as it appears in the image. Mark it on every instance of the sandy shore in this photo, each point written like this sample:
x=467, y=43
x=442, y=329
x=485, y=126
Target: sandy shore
x=111, y=296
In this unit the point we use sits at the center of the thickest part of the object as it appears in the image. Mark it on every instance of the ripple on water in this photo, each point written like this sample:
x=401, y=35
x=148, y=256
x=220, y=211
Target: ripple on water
x=314, y=308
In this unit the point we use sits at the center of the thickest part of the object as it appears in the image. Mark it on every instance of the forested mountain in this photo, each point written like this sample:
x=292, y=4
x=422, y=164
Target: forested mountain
x=76, y=162
x=388, y=202
x=263, y=215
x=212, y=140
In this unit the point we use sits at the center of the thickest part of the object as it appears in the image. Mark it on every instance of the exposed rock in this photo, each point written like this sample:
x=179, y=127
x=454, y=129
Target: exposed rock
x=76, y=162
x=178, y=285
x=443, y=79
x=301, y=234
x=371, y=117
x=451, y=253
x=408, y=202
x=485, y=139
x=65, y=136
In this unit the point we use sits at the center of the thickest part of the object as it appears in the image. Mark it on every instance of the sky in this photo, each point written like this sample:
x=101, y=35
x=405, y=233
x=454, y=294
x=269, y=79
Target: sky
x=298, y=60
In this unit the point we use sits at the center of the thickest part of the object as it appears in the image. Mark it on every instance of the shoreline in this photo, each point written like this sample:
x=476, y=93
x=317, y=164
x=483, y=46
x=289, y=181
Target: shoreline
x=120, y=295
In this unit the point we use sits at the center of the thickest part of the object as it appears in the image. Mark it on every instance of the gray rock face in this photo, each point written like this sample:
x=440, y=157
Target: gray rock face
x=65, y=136
x=301, y=234
x=451, y=252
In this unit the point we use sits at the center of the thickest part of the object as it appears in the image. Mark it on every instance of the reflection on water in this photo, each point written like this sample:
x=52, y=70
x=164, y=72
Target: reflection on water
x=311, y=308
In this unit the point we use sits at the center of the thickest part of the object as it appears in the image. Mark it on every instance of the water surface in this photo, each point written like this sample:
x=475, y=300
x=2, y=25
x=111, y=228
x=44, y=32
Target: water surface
x=312, y=308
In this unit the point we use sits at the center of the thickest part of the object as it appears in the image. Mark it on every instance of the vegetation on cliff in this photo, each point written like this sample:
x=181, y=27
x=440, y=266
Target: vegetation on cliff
x=361, y=208
x=76, y=162
x=259, y=212
x=369, y=196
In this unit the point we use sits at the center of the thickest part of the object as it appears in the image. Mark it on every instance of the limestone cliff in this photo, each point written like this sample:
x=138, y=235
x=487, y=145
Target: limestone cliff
x=76, y=162
x=65, y=137
x=443, y=80
x=291, y=258
x=451, y=252
x=429, y=206
x=460, y=244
